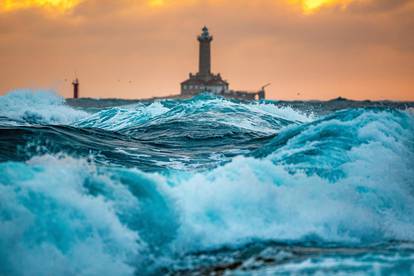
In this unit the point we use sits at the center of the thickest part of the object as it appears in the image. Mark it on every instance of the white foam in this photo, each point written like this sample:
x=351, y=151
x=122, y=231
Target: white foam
x=249, y=116
x=53, y=226
x=251, y=199
x=247, y=199
x=38, y=107
x=257, y=117
x=119, y=118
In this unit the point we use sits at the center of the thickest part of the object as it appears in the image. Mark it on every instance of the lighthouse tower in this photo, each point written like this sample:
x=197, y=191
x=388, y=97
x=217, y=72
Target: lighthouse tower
x=204, y=80
x=204, y=69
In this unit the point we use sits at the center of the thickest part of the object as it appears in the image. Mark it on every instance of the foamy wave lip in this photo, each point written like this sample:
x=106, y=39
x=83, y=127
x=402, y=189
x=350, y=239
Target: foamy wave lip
x=265, y=110
x=255, y=116
x=86, y=220
x=260, y=118
x=38, y=107
x=285, y=112
x=250, y=199
x=119, y=118
x=56, y=224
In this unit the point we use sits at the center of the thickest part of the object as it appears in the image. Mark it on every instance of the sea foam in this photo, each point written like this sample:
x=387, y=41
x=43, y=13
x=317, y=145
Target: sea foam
x=38, y=107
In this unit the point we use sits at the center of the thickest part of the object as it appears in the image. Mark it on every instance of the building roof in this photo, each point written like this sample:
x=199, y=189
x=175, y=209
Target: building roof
x=213, y=80
x=193, y=81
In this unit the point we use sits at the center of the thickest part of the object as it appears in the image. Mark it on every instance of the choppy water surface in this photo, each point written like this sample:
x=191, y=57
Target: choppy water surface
x=204, y=186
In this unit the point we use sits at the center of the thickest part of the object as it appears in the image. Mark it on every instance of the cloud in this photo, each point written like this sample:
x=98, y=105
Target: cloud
x=55, y=5
x=368, y=42
x=378, y=5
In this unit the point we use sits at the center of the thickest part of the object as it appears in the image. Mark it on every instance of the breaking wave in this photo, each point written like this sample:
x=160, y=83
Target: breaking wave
x=344, y=178
x=36, y=107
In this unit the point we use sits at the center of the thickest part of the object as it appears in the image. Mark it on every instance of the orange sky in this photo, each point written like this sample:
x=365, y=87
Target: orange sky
x=307, y=49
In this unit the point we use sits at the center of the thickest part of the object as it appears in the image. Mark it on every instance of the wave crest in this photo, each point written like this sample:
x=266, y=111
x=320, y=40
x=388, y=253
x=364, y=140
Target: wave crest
x=254, y=117
x=37, y=107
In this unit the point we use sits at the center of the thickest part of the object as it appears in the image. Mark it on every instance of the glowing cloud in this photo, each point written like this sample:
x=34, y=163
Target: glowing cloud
x=173, y=3
x=156, y=3
x=311, y=6
x=59, y=5
x=307, y=6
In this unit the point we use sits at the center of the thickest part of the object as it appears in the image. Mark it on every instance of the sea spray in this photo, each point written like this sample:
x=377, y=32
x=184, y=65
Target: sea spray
x=38, y=107
x=80, y=219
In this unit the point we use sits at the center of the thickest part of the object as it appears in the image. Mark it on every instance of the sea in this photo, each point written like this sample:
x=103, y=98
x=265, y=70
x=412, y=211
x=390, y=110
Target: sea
x=205, y=186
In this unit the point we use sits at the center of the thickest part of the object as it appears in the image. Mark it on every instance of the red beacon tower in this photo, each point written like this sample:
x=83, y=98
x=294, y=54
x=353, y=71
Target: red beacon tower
x=75, y=84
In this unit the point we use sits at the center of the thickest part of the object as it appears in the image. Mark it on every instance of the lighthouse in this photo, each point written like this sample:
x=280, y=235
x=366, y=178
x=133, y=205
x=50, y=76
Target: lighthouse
x=204, y=80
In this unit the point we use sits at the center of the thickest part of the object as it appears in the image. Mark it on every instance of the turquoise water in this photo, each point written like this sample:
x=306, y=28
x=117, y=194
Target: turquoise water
x=202, y=186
